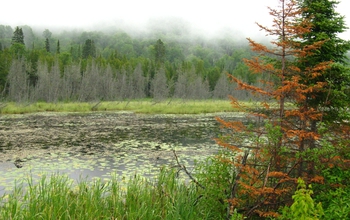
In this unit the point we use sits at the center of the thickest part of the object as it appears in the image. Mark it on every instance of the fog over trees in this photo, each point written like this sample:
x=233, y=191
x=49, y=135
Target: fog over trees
x=113, y=64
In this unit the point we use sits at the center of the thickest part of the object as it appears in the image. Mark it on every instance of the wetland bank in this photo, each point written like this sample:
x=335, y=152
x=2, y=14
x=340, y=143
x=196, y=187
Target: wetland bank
x=97, y=144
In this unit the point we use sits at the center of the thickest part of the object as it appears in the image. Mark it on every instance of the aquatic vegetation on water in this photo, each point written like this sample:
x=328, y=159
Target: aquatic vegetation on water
x=98, y=144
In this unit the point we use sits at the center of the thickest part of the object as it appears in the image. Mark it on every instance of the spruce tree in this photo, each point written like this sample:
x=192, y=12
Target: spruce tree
x=159, y=51
x=278, y=147
x=334, y=99
x=18, y=36
x=47, y=45
x=89, y=49
x=58, y=48
x=326, y=25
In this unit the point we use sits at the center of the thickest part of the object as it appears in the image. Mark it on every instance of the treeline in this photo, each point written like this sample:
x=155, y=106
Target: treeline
x=115, y=65
x=101, y=83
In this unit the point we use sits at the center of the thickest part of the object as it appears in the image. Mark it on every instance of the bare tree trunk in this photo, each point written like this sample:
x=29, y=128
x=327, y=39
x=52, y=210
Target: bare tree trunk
x=18, y=82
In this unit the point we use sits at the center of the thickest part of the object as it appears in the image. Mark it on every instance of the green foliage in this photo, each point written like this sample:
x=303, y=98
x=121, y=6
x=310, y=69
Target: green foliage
x=58, y=47
x=334, y=193
x=216, y=176
x=58, y=197
x=237, y=216
x=18, y=37
x=274, y=133
x=159, y=51
x=32, y=67
x=338, y=203
x=65, y=60
x=123, y=52
x=5, y=64
x=47, y=45
x=89, y=49
x=303, y=207
x=298, y=61
x=326, y=25
x=18, y=50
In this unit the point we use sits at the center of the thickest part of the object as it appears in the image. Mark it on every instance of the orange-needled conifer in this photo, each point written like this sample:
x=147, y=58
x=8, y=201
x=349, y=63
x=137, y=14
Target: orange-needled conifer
x=274, y=150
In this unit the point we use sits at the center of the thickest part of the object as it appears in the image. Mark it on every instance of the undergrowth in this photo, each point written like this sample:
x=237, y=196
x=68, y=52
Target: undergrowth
x=166, y=197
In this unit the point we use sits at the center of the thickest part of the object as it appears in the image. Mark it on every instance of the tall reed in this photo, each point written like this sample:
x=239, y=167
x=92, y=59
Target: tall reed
x=58, y=197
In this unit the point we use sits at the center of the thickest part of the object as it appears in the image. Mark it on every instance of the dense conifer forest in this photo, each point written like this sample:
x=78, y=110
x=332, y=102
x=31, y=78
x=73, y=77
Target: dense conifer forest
x=164, y=62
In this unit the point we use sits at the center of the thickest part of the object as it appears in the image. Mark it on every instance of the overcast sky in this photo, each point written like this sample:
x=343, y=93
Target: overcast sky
x=208, y=15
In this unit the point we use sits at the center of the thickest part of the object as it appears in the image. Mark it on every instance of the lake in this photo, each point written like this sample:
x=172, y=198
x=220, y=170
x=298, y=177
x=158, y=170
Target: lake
x=94, y=145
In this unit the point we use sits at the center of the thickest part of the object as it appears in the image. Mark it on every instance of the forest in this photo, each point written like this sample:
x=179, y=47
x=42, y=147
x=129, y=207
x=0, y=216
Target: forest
x=116, y=65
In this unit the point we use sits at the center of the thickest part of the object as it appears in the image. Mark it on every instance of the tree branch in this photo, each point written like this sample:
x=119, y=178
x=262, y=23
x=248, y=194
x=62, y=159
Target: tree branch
x=183, y=167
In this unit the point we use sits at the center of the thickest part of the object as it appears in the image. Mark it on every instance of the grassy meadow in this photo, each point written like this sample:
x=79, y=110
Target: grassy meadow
x=144, y=106
x=147, y=106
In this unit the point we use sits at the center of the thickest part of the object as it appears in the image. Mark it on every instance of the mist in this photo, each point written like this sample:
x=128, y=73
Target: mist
x=206, y=18
x=138, y=17
x=179, y=20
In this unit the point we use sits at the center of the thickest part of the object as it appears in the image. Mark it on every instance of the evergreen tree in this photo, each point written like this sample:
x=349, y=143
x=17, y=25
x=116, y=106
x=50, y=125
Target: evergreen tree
x=277, y=148
x=334, y=99
x=47, y=45
x=326, y=25
x=18, y=36
x=58, y=48
x=32, y=66
x=159, y=51
x=89, y=49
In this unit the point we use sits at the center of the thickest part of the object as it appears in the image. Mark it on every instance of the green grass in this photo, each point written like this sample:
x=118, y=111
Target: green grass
x=146, y=106
x=58, y=197
x=165, y=196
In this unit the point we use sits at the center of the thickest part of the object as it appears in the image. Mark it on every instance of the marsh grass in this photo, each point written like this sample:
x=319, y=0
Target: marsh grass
x=58, y=197
x=147, y=106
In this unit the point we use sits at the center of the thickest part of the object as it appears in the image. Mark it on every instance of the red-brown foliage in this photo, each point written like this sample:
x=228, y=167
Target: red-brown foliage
x=276, y=155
